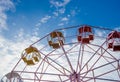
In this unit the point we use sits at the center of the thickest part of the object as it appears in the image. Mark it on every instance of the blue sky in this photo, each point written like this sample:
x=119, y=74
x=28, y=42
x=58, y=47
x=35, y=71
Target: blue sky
x=52, y=14
x=24, y=21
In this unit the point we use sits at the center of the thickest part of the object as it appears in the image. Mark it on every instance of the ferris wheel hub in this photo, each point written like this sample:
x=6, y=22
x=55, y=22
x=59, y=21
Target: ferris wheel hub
x=75, y=77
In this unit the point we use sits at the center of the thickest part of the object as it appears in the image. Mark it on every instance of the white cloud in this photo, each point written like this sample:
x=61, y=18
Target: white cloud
x=5, y=5
x=117, y=28
x=11, y=50
x=64, y=19
x=3, y=19
x=59, y=5
x=45, y=19
x=61, y=10
x=61, y=24
x=38, y=24
x=68, y=15
x=74, y=11
x=55, y=13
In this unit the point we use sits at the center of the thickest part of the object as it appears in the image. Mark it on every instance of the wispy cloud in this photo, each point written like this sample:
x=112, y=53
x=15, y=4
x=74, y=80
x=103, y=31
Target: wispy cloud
x=117, y=28
x=11, y=49
x=5, y=5
x=64, y=19
x=60, y=24
x=43, y=20
x=59, y=5
x=55, y=13
x=60, y=8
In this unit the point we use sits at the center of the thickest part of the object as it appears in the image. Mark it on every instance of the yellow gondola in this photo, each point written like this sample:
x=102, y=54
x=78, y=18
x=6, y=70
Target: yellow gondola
x=31, y=55
x=56, y=39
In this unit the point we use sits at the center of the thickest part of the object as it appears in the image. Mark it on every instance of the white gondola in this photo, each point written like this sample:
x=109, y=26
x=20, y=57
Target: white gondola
x=12, y=77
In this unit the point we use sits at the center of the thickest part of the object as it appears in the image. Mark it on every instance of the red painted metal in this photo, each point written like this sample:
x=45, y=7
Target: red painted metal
x=114, y=41
x=85, y=34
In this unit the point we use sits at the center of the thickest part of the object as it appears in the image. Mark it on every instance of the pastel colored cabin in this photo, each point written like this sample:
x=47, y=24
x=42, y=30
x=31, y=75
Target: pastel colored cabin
x=56, y=39
x=31, y=56
x=85, y=34
x=11, y=77
x=114, y=41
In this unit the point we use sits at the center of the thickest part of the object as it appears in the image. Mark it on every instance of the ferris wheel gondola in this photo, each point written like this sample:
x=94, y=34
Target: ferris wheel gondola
x=31, y=55
x=114, y=41
x=56, y=39
x=12, y=77
x=85, y=34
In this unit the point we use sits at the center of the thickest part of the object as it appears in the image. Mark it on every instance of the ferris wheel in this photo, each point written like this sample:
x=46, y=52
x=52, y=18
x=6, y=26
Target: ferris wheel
x=80, y=53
